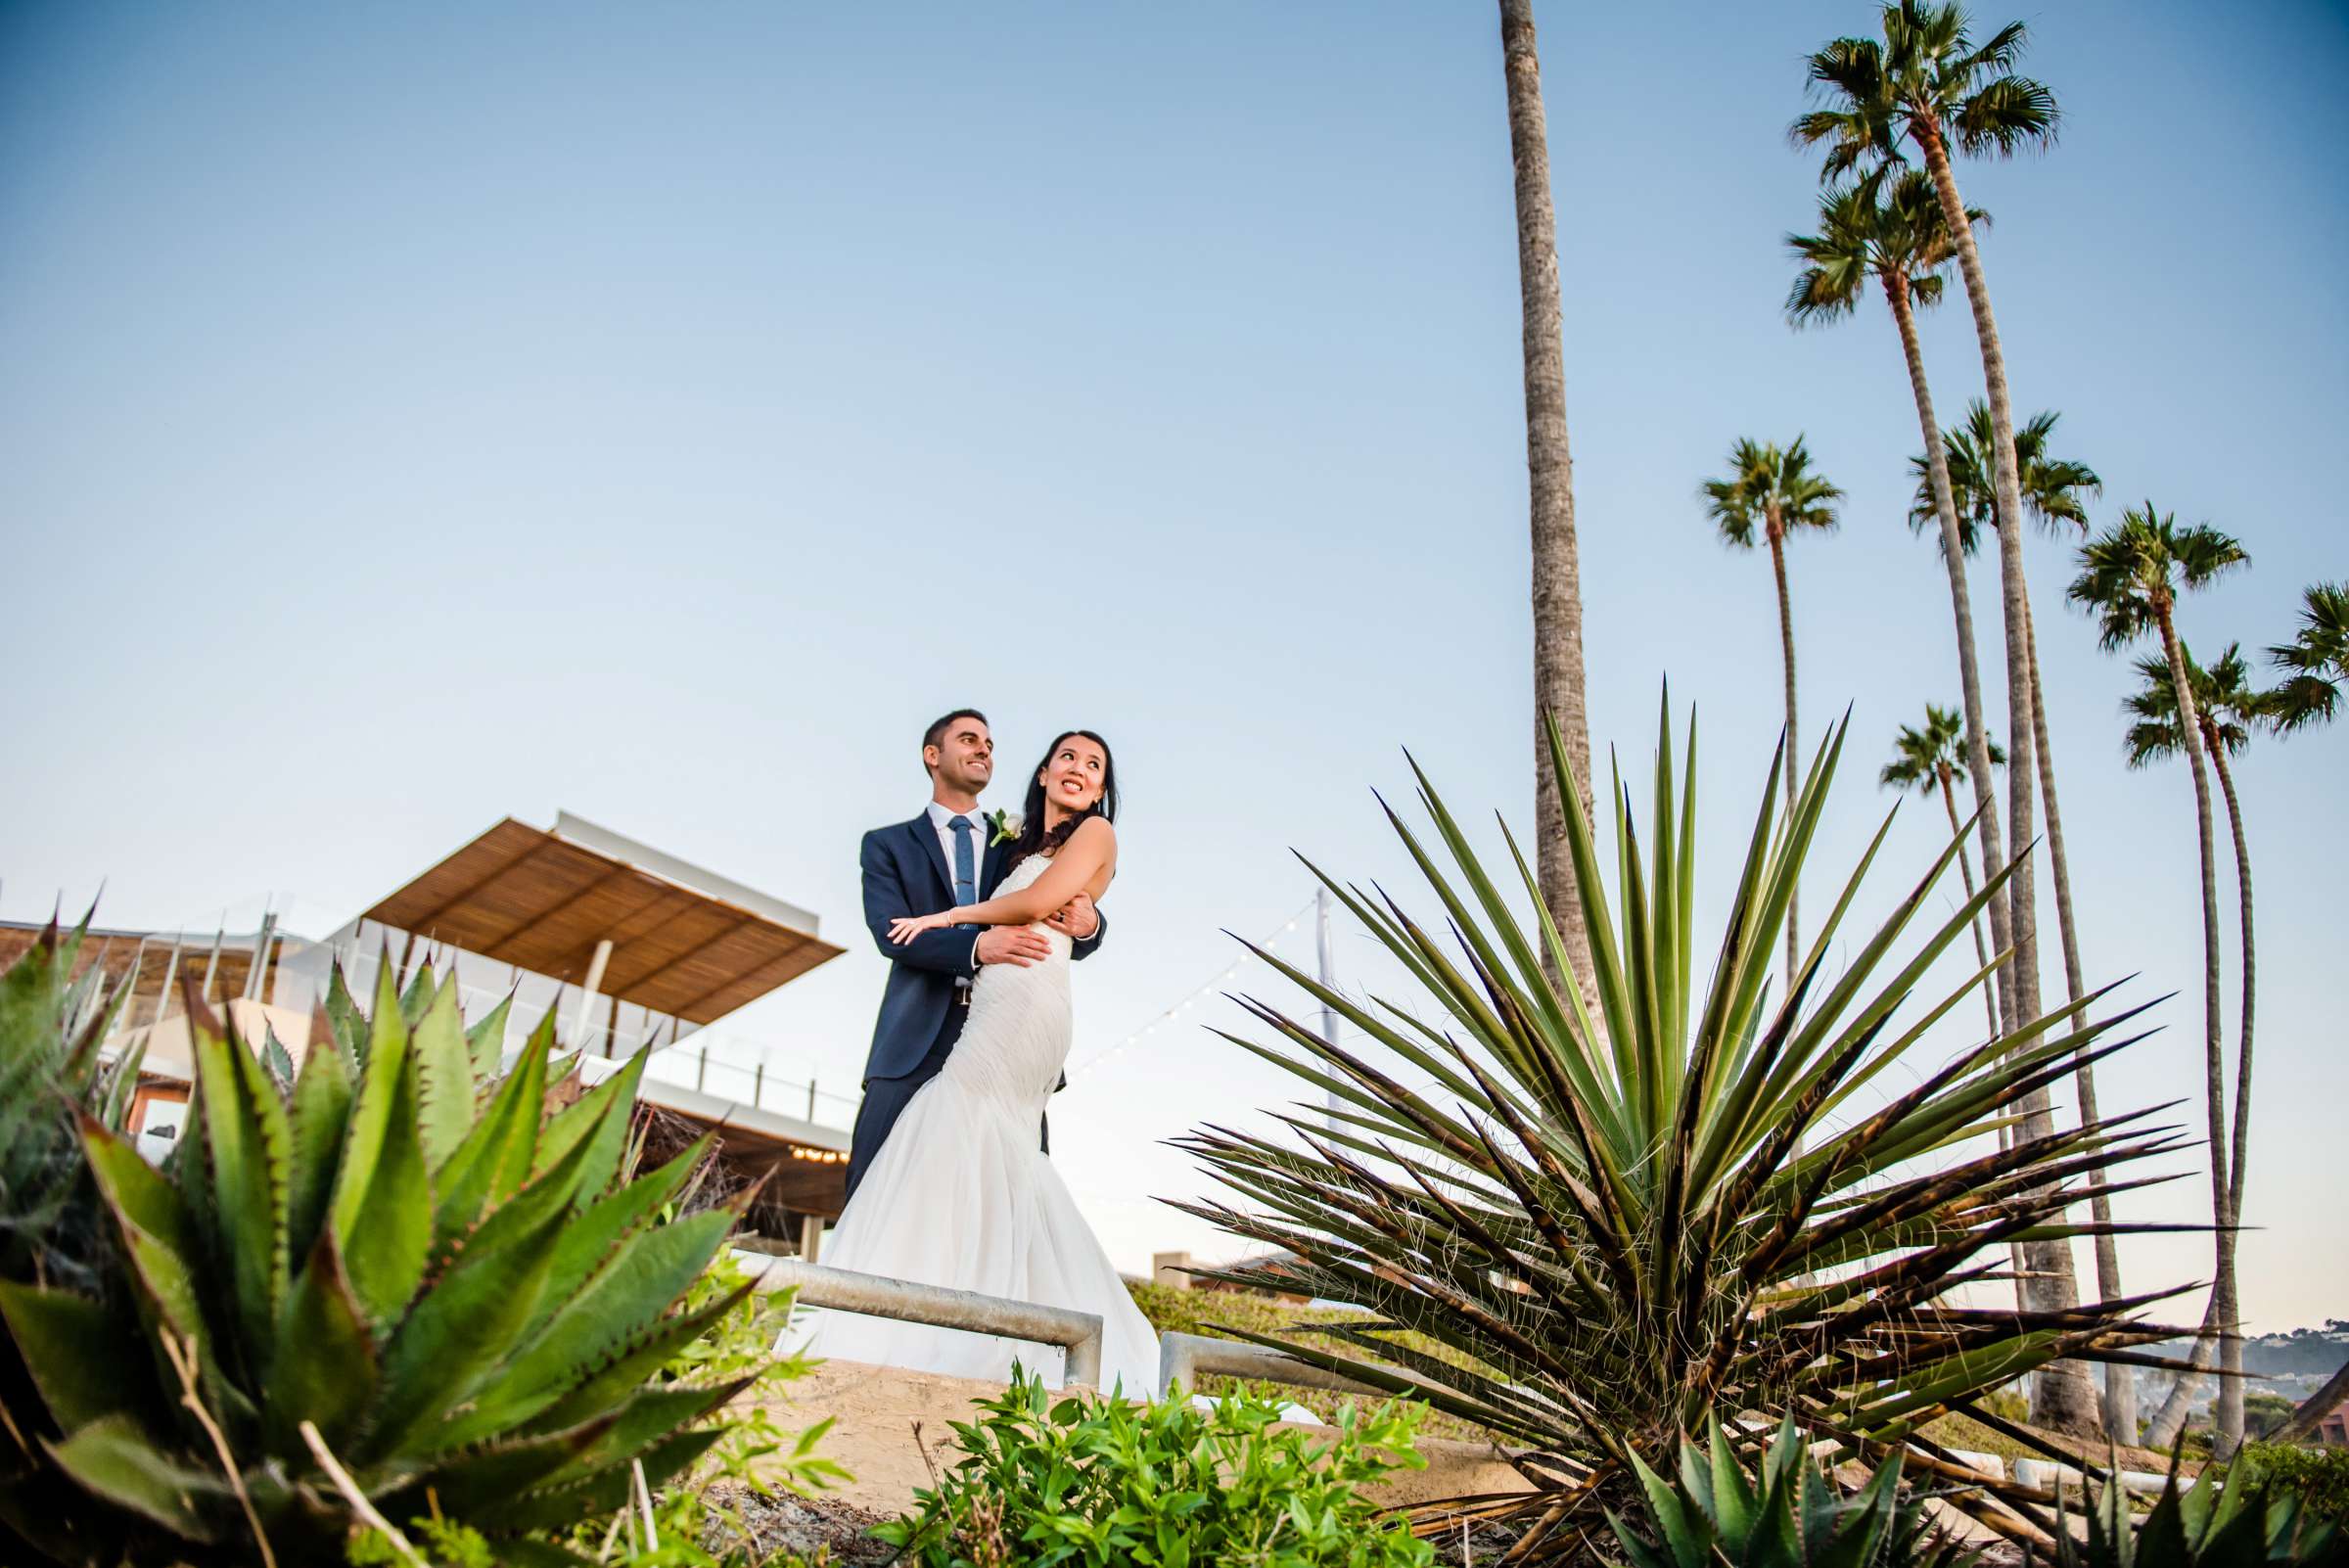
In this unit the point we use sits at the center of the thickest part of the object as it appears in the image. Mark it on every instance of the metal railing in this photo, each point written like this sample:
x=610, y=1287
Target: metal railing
x=875, y=1296
x=1181, y=1358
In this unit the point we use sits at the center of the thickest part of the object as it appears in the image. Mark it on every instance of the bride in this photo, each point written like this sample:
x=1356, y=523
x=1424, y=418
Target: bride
x=959, y=1195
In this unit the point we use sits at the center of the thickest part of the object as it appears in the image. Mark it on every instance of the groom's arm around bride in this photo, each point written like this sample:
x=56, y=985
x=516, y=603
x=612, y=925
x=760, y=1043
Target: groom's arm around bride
x=908, y=869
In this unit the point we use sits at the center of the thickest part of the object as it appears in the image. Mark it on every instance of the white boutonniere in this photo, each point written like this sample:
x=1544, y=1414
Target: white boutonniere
x=1007, y=828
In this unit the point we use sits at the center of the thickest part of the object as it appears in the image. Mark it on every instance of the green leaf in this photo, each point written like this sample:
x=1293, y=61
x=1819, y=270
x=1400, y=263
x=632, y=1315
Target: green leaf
x=114, y=1460
x=381, y=1084
x=472, y=1316
x=554, y=1508
x=651, y=1272
x=251, y=1147
x=321, y=1112
x=72, y=1346
x=591, y=1242
x=393, y=1211
x=647, y=1418
x=1686, y=1536
x=326, y=1370
x=485, y=1041
x=342, y=1014
x=481, y=1481
x=601, y=1116
x=444, y=1078
x=495, y=1157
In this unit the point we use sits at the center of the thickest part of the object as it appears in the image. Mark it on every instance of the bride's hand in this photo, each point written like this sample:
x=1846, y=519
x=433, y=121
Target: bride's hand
x=907, y=927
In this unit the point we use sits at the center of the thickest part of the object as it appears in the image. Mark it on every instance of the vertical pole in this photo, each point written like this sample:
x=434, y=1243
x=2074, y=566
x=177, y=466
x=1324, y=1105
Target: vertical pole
x=700, y=1069
x=811, y=1099
x=213, y=962
x=595, y=977
x=1329, y=980
x=758, y=1081
x=162, y=997
x=260, y=955
x=137, y=965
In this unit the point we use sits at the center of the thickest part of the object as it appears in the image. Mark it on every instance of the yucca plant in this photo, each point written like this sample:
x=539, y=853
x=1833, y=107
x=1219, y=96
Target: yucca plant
x=1613, y=1226
x=403, y=1280
x=1792, y=1515
x=2230, y=1517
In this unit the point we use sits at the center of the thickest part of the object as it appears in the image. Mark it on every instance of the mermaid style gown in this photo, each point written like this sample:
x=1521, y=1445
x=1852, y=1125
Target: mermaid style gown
x=961, y=1196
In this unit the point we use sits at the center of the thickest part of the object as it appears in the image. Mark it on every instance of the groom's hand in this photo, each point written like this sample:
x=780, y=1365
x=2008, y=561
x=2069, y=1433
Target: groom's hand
x=1012, y=945
x=1078, y=918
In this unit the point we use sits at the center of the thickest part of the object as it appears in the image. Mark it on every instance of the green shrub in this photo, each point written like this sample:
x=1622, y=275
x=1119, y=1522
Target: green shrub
x=1088, y=1483
x=2320, y=1476
x=2230, y=1517
x=441, y=1277
x=1792, y=1516
x=2264, y=1412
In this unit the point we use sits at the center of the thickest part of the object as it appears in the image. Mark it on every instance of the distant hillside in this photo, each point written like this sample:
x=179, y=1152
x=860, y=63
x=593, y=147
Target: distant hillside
x=2302, y=1352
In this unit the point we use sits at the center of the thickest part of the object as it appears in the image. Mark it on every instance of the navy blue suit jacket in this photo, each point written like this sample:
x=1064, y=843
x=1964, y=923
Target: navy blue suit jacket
x=905, y=874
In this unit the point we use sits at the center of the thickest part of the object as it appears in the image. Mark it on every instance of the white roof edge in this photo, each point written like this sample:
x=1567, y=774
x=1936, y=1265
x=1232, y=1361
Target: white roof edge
x=684, y=873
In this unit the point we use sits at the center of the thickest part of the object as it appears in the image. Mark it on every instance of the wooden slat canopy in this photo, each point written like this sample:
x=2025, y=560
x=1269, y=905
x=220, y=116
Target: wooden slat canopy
x=533, y=898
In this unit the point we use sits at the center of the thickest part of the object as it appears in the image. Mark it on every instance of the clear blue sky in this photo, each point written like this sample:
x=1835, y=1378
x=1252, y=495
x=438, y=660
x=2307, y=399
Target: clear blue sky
x=413, y=415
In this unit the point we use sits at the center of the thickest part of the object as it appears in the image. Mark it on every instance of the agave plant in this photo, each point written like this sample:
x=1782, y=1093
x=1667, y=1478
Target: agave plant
x=402, y=1280
x=1588, y=1233
x=51, y=1070
x=2229, y=1518
x=1792, y=1516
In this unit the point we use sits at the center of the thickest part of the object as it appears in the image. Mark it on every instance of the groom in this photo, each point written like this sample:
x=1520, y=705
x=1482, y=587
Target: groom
x=938, y=860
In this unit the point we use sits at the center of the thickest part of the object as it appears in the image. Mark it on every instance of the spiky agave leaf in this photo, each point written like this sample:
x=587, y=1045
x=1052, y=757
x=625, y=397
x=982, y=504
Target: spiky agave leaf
x=466, y=1293
x=1613, y=1223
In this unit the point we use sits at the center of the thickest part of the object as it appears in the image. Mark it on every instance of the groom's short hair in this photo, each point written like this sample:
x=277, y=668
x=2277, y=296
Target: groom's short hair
x=935, y=734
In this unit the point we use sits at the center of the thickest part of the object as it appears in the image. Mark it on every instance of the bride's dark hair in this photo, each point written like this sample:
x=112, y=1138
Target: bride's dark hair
x=1032, y=839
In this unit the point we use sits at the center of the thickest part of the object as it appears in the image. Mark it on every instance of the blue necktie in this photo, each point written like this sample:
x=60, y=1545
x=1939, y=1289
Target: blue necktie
x=966, y=877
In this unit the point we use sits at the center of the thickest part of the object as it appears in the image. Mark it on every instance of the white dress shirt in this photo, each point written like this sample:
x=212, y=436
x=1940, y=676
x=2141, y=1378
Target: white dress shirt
x=939, y=816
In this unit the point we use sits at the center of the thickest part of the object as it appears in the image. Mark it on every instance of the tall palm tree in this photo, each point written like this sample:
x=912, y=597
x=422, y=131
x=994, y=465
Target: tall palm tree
x=1928, y=761
x=1557, y=574
x=1891, y=229
x=2053, y=492
x=2316, y=662
x=2227, y=709
x=1773, y=490
x=2129, y=577
x=1927, y=85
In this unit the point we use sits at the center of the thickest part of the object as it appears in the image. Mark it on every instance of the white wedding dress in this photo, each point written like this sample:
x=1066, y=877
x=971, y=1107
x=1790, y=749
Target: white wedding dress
x=961, y=1195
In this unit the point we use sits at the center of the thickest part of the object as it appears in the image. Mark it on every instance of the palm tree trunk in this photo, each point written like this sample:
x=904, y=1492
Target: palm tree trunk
x=1794, y=756
x=1557, y=586
x=2302, y=1424
x=2062, y=1396
x=2231, y=1361
x=2169, y=1420
x=2120, y=1382
x=1990, y=1001
x=1969, y=673
x=2222, y=1313
x=1965, y=870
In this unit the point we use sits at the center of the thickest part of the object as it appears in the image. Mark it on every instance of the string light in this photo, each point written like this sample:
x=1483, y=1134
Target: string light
x=1197, y=994
x=819, y=1156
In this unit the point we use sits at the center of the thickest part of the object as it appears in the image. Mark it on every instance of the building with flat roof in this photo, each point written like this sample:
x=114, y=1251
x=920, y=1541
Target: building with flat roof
x=630, y=947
